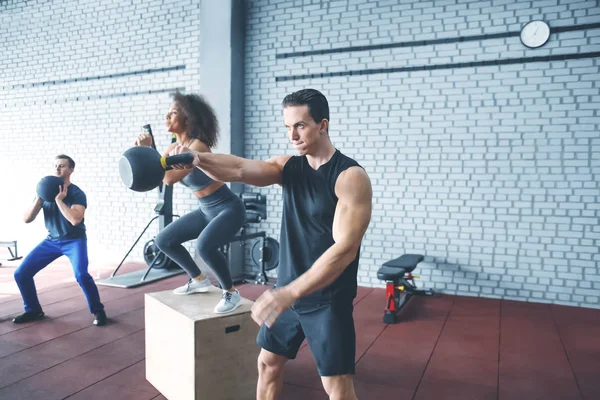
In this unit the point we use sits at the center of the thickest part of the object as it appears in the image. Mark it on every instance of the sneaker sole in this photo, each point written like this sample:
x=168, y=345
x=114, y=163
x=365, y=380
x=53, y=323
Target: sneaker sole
x=43, y=316
x=228, y=311
x=28, y=321
x=198, y=290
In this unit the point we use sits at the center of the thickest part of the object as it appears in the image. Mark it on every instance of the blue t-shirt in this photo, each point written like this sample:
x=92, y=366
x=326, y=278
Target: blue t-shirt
x=59, y=228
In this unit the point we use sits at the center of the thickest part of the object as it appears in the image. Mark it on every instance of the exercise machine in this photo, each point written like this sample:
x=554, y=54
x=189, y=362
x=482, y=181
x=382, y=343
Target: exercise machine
x=265, y=251
x=400, y=284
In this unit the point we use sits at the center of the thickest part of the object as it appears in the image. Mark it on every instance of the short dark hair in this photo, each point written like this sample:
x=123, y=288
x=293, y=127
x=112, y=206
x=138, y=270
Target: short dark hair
x=65, y=157
x=318, y=107
x=200, y=118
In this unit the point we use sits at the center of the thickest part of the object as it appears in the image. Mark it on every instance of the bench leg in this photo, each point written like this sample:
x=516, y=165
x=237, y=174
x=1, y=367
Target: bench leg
x=398, y=293
x=13, y=256
x=390, y=294
x=389, y=317
x=411, y=288
x=393, y=302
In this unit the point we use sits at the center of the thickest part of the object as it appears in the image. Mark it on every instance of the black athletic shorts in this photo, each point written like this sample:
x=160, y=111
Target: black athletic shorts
x=328, y=329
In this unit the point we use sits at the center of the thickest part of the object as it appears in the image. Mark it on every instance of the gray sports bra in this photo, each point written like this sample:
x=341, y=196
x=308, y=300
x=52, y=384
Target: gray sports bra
x=196, y=179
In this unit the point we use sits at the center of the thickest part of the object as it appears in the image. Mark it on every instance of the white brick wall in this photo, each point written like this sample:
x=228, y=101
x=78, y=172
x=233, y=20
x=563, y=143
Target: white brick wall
x=491, y=171
x=123, y=59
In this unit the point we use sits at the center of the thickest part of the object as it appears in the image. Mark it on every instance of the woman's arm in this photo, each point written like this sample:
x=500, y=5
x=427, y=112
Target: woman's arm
x=173, y=176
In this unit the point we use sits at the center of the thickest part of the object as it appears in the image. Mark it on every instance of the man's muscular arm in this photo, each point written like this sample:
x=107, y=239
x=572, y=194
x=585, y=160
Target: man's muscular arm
x=230, y=168
x=33, y=210
x=75, y=213
x=351, y=220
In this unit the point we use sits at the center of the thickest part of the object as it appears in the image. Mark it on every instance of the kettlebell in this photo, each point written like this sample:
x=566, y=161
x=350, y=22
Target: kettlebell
x=142, y=168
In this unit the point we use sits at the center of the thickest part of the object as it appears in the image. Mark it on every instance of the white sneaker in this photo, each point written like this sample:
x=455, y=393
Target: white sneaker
x=229, y=302
x=194, y=286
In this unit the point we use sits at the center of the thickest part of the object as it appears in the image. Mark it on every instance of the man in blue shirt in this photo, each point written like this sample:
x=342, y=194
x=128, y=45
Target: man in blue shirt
x=66, y=236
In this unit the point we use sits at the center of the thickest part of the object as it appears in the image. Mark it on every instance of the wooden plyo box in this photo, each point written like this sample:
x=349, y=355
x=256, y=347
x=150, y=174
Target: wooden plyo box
x=193, y=353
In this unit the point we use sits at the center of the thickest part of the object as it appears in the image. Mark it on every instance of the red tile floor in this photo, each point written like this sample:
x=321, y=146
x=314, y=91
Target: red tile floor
x=445, y=348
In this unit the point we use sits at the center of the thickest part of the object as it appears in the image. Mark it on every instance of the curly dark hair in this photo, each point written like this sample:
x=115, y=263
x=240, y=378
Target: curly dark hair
x=200, y=118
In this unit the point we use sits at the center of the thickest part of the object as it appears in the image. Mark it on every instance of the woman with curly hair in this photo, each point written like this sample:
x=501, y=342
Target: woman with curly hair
x=220, y=213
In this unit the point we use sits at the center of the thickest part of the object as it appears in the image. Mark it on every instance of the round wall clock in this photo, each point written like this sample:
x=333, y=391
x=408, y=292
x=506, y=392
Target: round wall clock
x=535, y=34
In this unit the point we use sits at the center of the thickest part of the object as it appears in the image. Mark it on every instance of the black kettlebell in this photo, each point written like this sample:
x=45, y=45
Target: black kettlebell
x=48, y=187
x=142, y=168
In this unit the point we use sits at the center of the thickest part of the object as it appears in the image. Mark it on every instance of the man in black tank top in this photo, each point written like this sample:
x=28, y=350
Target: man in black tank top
x=327, y=200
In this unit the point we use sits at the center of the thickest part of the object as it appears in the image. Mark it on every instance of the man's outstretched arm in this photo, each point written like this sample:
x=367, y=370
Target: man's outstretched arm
x=351, y=220
x=230, y=168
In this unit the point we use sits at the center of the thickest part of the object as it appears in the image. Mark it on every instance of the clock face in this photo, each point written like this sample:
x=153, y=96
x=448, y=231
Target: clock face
x=535, y=34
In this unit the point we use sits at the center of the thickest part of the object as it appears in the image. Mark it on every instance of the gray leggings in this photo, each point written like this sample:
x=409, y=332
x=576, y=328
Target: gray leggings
x=217, y=220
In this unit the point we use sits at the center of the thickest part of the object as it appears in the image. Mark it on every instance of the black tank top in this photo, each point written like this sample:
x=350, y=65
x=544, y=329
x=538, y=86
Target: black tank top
x=309, y=203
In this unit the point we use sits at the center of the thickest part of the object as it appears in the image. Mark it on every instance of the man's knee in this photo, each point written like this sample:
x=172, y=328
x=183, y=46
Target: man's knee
x=23, y=273
x=19, y=275
x=83, y=277
x=270, y=365
x=340, y=387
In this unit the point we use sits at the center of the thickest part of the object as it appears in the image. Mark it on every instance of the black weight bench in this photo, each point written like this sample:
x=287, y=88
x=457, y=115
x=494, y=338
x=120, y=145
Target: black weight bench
x=400, y=284
x=10, y=244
